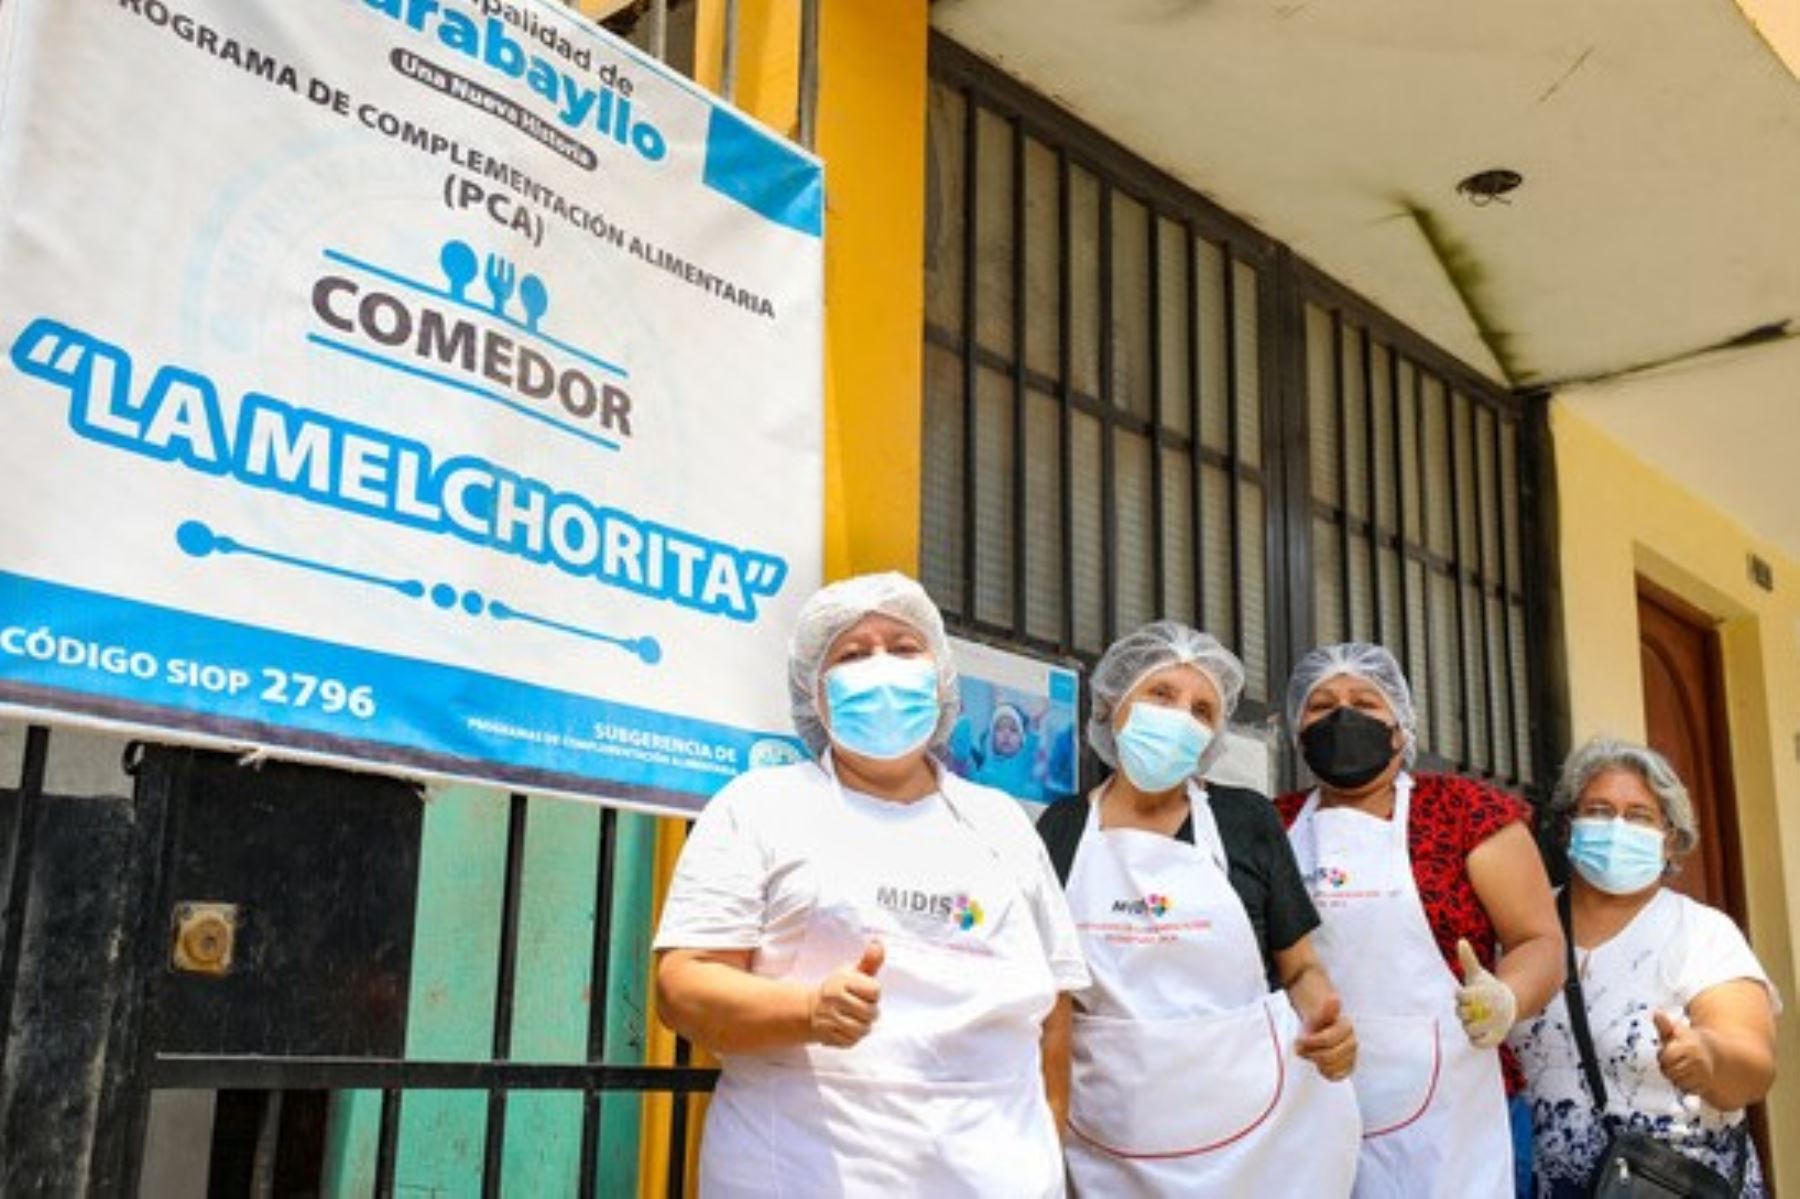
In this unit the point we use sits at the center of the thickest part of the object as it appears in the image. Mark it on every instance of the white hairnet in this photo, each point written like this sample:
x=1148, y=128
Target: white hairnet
x=1134, y=657
x=1359, y=659
x=830, y=612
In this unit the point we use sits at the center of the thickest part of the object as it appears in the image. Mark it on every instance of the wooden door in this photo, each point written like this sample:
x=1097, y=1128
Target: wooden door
x=1684, y=720
x=1684, y=717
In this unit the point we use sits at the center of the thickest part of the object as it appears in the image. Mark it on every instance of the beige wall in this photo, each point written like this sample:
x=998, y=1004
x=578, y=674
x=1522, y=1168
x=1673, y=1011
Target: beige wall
x=1619, y=518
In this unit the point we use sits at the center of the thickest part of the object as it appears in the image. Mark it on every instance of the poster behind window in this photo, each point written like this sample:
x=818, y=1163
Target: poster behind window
x=1019, y=730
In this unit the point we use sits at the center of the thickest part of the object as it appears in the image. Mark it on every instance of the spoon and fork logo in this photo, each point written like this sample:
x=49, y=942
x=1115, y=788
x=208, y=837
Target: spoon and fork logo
x=461, y=265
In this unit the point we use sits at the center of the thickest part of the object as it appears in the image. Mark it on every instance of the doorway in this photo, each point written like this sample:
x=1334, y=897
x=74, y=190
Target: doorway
x=1685, y=721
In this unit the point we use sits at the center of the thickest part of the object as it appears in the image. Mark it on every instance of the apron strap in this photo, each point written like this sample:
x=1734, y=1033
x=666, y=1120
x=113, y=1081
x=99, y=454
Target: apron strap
x=1065, y=822
x=1398, y=831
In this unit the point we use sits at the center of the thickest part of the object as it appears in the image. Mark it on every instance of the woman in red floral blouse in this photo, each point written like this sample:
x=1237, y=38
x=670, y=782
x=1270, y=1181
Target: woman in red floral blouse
x=1438, y=927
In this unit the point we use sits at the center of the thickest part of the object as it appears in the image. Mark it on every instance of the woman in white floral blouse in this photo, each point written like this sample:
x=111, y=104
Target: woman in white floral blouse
x=1682, y=1014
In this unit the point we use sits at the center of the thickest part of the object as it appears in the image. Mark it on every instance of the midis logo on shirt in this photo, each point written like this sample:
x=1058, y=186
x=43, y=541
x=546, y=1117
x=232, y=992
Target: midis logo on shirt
x=1152, y=904
x=962, y=910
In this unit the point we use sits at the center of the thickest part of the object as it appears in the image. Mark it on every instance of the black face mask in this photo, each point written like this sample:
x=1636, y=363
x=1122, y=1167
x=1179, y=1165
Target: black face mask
x=1347, y=748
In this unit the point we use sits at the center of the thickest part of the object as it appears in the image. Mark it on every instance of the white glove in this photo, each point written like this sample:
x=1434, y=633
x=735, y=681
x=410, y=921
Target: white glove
x=1485, y=1005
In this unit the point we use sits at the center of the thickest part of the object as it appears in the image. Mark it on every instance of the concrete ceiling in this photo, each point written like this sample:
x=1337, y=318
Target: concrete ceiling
x=1726, y=427
x=1659, y=218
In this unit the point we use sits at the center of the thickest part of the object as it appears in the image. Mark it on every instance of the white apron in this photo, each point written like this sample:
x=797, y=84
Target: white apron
x=945, y=1095
x=1433, y=1105
x=1185, y=1077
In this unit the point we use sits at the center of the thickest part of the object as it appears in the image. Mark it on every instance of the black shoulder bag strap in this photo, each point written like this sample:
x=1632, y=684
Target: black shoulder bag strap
x=1584, y=1044
x=1577, y=1005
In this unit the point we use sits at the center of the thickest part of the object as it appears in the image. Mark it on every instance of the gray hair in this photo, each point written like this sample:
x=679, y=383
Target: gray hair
x=1602, y=754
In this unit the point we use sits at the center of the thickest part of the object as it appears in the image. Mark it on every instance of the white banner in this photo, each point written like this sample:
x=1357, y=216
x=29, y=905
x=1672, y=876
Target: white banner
x=431, y=385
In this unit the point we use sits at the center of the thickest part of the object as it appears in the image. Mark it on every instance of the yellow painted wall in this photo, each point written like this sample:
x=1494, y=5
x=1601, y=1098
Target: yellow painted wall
x=659, y=1050
x=1778, y=23
x=871, y=135
x=768, y=59
x=1619, y=518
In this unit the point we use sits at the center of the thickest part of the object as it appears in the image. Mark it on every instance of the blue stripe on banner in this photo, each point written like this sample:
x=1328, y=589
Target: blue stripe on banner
x=178, y=670
x=763, y=173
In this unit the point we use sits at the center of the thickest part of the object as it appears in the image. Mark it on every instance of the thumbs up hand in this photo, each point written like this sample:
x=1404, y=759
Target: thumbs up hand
x=1485, y=1005
x=1328, y=1041
x=847, y=1002
x=1686, y=1057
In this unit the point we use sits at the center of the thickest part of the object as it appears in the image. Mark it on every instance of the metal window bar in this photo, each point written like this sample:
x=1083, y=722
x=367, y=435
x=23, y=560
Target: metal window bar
x=678, y=1107
x=1109, y=496
x=252, y=1072
x=1064, y=391
x=1259, y=383
x=1062, y=388
x=1476, y=534
x=1289, y=465
x=1465, y=754
x=970, y=231
x=1111, y=421
x=1235, y=508
x=1159, y=590
x=1430, y=731
x=494, y=1142
x=728, y=67
x=1196, y=434
x=599, y=978
x=1483, y=615
x=678, y=1130
x=1517, y=773
x=1478, y=519
x=659, y=30
x=125, y=1097
x=1371, y=481
x=387, y=1143
x=1019, y=312
x=18, y=875
x=1347, y=592
x=1397, y=533
x=1547, y=736
x=809, y=72
x=1399, y=499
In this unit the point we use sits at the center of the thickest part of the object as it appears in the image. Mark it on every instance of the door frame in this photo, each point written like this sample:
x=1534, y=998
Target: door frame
x=1730, y=857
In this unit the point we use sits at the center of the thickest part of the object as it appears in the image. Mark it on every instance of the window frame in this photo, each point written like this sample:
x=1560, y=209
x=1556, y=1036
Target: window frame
x=1286, y=286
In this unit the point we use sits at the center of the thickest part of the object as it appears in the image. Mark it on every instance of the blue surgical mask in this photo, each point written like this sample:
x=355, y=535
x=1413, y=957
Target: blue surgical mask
x=1159, y=748
x=1616, y=856
x=881, y=706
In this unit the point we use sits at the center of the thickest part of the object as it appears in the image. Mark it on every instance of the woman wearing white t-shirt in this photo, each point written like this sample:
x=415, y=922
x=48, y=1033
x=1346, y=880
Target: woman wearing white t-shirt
x=1681, y=1014
x=871, y=945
